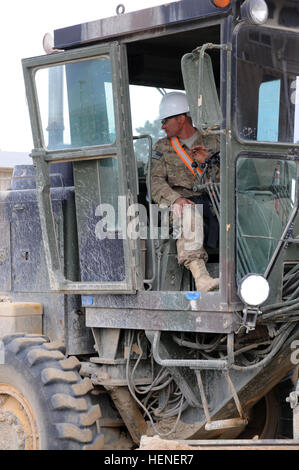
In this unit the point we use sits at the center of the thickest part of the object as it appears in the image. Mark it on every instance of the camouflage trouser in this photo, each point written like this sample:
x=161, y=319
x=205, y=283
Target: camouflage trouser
x=189, y=232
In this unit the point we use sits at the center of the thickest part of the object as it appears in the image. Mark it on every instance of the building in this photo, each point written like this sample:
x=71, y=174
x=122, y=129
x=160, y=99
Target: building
x=7, y=162
x=5, y=177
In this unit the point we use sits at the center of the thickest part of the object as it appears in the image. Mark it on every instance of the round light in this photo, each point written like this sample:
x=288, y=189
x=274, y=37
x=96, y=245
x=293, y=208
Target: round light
x=254, y=289
x=255, y=11
x=48, y=44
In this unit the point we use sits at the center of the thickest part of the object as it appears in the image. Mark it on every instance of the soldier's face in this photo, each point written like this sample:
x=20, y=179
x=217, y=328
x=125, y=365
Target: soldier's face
x=172, y=126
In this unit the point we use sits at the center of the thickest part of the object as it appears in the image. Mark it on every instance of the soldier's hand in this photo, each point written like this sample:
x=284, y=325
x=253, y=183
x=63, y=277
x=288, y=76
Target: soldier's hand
x=179, y=204
x=200, y=153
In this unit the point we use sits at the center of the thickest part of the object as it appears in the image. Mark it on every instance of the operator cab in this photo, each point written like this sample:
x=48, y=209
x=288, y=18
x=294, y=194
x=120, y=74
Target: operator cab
x=155, y=68
x=94, y=105
x=101, y=115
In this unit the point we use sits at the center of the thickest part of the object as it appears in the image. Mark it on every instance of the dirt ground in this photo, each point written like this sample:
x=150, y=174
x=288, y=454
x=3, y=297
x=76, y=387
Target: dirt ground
x=156, y=443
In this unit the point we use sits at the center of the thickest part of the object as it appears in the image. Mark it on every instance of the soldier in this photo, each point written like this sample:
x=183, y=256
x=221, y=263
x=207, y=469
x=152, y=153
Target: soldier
x=174, y=174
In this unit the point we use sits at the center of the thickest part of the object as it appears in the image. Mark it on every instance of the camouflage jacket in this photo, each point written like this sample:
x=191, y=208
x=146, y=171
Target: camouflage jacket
x=170, y=177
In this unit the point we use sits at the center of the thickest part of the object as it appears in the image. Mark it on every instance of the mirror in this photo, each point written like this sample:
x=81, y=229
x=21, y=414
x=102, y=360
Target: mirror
x=201, y=90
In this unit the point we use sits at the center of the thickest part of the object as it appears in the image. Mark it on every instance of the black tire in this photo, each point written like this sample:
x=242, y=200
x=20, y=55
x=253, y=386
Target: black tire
x=271, y=417
x=56, y=411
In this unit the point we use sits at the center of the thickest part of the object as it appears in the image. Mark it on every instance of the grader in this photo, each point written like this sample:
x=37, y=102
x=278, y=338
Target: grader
x=104, y=338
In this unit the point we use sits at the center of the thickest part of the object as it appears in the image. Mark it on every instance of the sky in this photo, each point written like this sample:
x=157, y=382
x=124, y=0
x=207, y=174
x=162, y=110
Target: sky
x=22, y=28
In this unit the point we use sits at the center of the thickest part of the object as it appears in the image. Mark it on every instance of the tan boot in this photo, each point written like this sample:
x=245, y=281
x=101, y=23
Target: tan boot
x=203, y=281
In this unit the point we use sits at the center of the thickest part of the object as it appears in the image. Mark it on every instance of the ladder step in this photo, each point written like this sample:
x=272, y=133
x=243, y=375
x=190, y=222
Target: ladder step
x=225, y=424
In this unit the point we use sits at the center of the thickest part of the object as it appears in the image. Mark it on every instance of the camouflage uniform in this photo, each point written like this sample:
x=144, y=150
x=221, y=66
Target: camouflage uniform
x=171, y=179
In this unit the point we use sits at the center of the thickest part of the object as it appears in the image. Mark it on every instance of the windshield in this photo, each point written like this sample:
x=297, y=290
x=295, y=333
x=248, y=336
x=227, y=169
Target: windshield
x=266, y=196
x=267, y=85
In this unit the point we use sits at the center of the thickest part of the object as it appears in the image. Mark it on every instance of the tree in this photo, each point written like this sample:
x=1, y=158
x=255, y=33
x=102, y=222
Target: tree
x=141, y=146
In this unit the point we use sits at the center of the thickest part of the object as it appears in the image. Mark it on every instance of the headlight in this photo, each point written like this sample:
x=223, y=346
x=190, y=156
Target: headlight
x=254, y=11
x=254, y=290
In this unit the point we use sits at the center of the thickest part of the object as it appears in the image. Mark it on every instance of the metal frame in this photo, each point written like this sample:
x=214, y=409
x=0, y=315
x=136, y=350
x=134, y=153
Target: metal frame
x=254, y=148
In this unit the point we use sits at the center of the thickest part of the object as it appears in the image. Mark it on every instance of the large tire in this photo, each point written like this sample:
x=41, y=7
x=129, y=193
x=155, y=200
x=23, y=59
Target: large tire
x=271, y=417
x=44, y=403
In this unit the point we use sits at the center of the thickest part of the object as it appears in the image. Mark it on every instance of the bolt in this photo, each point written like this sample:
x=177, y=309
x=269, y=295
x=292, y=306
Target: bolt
x=293, y=399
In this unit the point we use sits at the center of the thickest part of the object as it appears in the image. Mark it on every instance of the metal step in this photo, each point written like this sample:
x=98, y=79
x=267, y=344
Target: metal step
x=226, y=424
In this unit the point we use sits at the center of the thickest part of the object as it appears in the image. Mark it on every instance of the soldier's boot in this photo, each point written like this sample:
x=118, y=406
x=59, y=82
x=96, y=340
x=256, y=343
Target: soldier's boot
x=203, y=281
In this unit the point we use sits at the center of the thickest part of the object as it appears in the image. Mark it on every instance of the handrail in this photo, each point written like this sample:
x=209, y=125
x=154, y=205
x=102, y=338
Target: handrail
x=149, y=190
x=218, y=364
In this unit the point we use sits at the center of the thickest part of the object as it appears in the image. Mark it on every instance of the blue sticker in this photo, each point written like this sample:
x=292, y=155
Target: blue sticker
x=192, y=295
x=87, y=300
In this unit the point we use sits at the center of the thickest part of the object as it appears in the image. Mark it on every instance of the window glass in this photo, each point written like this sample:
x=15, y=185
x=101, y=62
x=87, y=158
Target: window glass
x=267, y=104
x=266, y=191
x=101, y=220
x=268, y=111
x=76, y=104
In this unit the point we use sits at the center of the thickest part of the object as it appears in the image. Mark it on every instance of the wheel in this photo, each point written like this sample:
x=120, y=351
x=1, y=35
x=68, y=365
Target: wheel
x=44, y=403
x=271, y=417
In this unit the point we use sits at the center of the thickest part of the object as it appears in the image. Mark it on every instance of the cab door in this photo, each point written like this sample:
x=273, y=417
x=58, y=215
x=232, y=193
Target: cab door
x=79, y=109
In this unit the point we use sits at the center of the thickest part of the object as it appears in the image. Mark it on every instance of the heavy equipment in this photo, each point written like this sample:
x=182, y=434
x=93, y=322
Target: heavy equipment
x=104, y=338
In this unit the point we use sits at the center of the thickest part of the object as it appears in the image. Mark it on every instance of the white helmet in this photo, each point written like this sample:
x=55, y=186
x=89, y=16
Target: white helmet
x=172, y=104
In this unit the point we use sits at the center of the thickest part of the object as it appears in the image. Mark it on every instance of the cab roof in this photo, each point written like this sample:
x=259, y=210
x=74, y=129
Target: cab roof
x=127, y=24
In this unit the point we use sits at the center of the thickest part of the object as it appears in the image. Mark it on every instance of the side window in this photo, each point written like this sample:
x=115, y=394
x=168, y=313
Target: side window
x=266, y=196
x=79, y=110
x=268, y=111
x=266, y=105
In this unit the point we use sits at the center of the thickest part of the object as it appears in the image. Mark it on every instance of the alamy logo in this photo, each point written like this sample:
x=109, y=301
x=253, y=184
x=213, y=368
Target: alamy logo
x=133, y=222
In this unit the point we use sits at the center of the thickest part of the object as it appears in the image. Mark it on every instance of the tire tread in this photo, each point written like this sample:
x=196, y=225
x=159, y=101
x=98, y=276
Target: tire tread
x=61, y=392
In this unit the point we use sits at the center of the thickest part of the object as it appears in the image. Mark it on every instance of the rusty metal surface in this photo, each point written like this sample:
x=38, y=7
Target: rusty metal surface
x=215, y=322
x=129, y=412
x=172, y=311
x=164, y=300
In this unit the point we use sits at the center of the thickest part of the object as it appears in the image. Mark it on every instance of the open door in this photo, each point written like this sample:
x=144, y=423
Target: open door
x=79, y=113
